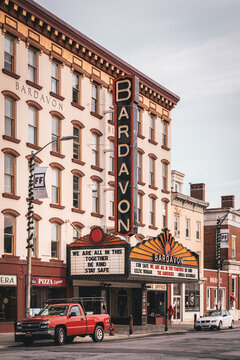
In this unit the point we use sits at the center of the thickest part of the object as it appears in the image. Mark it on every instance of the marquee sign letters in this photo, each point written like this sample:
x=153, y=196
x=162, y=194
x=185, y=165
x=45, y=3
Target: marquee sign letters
x=125, y=98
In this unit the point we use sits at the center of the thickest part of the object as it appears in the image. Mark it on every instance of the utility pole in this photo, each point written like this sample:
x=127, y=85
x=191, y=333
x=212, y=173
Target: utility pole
x=30, y=221
x=218, y=255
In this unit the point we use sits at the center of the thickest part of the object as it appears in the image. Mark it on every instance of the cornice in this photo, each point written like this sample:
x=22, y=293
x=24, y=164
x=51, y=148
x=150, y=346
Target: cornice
x=49, y=25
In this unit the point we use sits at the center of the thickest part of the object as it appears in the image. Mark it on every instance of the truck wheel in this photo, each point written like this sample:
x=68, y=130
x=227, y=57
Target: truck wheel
x=60, y=336
x=98, y=334
x=28, y=341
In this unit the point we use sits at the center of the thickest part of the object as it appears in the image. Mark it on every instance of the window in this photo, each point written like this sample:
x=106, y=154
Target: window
x=55, y=78
x=176, y=225
x=32, y=65
x=139, y=208
x=139, y=122
x=56, y=188
x=165, y=134
x=95, y=197
x=192, y=297
x=76, y=143
x=9, y=234
x=151, y=171
x=164, y=214
x=139, y=166
x=111, y=203
x=233, y=247
x=9, y=53
x=208, y=298
x=9, y=116
x=9, y=174
x=77, y=232
x=111, y=157
x=56, y=134
x=111, y=107
x=95, y=98
x=164, y=176
x=55, y=240
x=187, y=222
x=76, y=88
x=215, y=298
x=32, y=126
x=233, y=302
x=152, y=212
x=76, y=191
x=198, y=230
x=95, y=150
x=151, y=128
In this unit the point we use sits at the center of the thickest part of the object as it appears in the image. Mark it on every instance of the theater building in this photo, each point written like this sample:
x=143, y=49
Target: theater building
x=229, y=257
x=57, y=82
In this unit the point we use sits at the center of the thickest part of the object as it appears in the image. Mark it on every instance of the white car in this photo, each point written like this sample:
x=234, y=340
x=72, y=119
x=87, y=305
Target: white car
x=218, y=319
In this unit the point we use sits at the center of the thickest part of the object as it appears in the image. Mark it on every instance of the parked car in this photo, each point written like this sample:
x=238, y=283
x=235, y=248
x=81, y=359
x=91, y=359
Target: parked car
x=218, y=319
x=62, y=322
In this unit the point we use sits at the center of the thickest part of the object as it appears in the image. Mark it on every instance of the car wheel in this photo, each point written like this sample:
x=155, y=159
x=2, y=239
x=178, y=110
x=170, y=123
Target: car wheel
x=198, y=329
x=60, y=336
x=98, y=334
x=232, y=325
x=220, y=326
x=28, y=341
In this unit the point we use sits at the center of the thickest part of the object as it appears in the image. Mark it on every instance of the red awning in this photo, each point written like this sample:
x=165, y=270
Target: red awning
x=233, y=298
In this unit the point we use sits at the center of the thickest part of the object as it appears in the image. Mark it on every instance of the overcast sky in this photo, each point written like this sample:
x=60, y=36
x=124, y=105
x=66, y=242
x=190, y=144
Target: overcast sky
x=192, y=47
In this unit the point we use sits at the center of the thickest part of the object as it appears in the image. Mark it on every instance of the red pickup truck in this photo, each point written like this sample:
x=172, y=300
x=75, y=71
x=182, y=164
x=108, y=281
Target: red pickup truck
x=62, y=322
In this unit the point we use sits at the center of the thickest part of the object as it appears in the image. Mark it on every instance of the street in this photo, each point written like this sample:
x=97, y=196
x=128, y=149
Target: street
x=191, y=345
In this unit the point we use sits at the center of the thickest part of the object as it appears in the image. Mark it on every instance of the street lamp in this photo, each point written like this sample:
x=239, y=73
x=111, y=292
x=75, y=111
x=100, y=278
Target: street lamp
x=30, y=221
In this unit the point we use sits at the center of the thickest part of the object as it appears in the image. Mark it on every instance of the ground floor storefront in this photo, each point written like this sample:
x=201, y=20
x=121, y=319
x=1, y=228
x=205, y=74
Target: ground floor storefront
x=48, y=281
x=229, y=291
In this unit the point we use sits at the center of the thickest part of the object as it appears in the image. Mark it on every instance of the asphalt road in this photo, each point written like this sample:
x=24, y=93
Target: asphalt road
x=222, y=345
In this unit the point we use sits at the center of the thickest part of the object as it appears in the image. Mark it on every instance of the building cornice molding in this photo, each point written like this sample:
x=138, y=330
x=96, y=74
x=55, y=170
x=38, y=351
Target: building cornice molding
x=44, y=22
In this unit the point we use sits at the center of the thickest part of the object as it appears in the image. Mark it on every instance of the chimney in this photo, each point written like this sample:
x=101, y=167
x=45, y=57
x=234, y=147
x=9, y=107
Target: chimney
x=228, y=201
x=197, y=191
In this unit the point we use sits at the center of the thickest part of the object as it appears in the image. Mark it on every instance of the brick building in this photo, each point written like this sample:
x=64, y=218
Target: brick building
x=229, y=253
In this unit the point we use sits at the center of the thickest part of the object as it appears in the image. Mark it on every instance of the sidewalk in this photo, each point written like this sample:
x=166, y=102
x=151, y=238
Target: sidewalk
x=122, y=332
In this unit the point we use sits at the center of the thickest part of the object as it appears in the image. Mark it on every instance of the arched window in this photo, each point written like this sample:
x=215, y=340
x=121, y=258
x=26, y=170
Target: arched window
x=10, y=100
x=96, y=195
x=165, y=164
x=35, y=248
x=77, y=230
x=152, y=210
x=140, y=206
x=77, y=142
x=165, y=202
x=32, y=125
x=9, y=246
x=55, y=237
x=96, y=148
x=56, y=184
x=152, y=171
x=56, y=134
x=10, y=172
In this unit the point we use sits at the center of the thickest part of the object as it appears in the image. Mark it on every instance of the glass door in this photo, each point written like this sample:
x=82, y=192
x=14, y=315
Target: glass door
x=177, y=308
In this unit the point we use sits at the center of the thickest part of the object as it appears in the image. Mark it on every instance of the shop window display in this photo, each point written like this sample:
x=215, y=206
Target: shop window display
x=192, y=297
x=8, y=304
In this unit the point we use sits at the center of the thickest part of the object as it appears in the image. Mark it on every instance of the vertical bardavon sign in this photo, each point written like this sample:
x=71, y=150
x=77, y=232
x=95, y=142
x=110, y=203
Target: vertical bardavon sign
x=126, y=98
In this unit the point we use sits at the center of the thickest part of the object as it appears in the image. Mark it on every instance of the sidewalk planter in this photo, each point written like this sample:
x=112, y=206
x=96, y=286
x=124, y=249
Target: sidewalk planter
x=155, y=319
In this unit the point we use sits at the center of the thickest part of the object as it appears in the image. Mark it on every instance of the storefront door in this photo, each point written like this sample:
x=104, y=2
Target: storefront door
x=177, y=307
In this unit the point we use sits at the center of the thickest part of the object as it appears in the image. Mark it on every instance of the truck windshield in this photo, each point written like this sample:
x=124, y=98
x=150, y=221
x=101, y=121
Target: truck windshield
x=60, y=310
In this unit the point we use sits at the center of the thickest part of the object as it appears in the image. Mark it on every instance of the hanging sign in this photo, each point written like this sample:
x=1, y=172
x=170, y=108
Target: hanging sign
x=125, y=99
x=224, y=238
x=39, y=184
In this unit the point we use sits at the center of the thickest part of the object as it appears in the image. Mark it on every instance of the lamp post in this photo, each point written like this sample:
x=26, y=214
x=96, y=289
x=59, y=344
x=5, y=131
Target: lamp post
x=218, y=255
x=30, y=221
